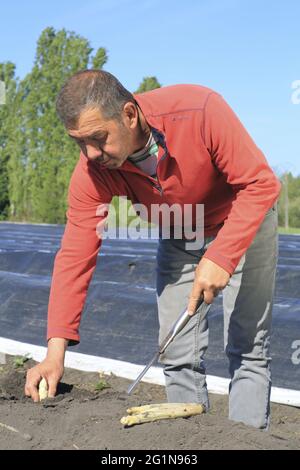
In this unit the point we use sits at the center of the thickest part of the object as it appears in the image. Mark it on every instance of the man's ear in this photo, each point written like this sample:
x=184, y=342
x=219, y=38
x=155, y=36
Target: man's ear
x=130, y=114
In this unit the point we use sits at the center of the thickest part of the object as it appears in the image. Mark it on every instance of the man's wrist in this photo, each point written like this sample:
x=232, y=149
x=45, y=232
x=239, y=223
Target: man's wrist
x=57, y=348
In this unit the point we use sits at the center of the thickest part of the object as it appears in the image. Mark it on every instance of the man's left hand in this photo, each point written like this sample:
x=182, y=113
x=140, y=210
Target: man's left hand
x=209, y=280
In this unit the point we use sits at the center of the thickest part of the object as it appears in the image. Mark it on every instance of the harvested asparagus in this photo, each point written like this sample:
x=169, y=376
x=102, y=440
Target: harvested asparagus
x=155, y=412
x=43, y=389
x=163, y=406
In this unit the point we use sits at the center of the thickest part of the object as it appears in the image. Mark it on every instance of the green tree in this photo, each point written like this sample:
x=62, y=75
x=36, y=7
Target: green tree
x=148, y=83
x=100, y=58
x=294, y=213
x=7, y=76
x=43, y=156
x=289, y=201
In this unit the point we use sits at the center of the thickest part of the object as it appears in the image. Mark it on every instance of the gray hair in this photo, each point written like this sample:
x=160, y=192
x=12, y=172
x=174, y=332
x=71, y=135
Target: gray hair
x=91, y=89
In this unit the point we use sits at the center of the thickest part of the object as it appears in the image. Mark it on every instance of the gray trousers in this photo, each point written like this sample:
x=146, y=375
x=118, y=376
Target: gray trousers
x=247, y=306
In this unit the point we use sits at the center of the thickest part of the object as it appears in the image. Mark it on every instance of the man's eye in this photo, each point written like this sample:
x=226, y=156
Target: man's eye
x=100, y=142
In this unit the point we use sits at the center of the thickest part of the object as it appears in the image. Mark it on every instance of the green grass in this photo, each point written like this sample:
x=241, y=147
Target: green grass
x=289, y=231
x=19, y=361
x=101, y=385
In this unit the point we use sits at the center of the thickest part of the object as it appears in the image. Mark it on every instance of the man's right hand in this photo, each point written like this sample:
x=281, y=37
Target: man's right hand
x=51, y=369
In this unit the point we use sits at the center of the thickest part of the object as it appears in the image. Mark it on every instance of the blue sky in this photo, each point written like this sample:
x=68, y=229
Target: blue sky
x=248, y=50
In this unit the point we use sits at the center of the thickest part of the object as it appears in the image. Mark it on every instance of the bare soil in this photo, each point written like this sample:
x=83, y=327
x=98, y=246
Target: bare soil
x=80, y=417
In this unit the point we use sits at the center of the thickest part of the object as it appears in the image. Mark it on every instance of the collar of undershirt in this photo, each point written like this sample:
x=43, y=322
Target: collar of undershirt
x=150, y=148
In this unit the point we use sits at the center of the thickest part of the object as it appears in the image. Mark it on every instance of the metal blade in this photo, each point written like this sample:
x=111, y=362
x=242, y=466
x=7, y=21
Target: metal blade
x=176, y=328
x=137, y=381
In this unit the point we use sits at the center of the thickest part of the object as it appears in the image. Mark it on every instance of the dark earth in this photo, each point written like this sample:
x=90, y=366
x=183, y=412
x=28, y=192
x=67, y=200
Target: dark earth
x=86, y=415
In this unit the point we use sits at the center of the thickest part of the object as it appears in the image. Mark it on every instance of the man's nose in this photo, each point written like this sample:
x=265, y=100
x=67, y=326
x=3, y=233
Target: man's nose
x=93, y=152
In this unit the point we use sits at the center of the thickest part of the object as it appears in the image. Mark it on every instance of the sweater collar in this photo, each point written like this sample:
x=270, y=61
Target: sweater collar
x=153, y=118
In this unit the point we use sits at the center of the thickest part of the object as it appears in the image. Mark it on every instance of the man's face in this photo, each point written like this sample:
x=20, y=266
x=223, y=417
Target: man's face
x=109, y=142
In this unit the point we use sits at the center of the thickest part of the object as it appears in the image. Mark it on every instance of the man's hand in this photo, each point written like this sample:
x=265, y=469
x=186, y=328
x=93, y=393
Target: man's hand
x=51, y=369
x=209, y=280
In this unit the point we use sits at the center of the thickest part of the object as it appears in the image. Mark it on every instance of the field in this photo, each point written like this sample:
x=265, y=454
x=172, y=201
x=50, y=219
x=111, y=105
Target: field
x=84, y=415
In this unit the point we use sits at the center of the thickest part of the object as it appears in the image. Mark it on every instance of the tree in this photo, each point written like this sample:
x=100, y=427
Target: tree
x=294, y=213
x=148, y=83
x=42, y=155
x=100, y=58
x=7, y=76
x=288, y=205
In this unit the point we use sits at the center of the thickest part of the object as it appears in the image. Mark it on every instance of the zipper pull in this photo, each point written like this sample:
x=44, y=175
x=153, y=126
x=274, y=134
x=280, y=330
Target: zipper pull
x=159, y=188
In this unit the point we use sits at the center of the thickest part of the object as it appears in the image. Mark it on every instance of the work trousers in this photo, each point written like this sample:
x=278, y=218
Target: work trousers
x=247, y=307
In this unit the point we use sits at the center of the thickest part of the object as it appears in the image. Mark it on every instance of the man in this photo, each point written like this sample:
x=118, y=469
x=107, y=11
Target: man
x=180, y=144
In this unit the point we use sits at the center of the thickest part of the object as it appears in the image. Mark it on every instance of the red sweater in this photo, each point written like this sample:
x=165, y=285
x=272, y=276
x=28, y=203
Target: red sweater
x=211, y=160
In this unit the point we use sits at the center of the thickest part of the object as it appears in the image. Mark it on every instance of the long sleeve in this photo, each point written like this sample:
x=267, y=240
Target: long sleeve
x=255, y=186
x=75, y=262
